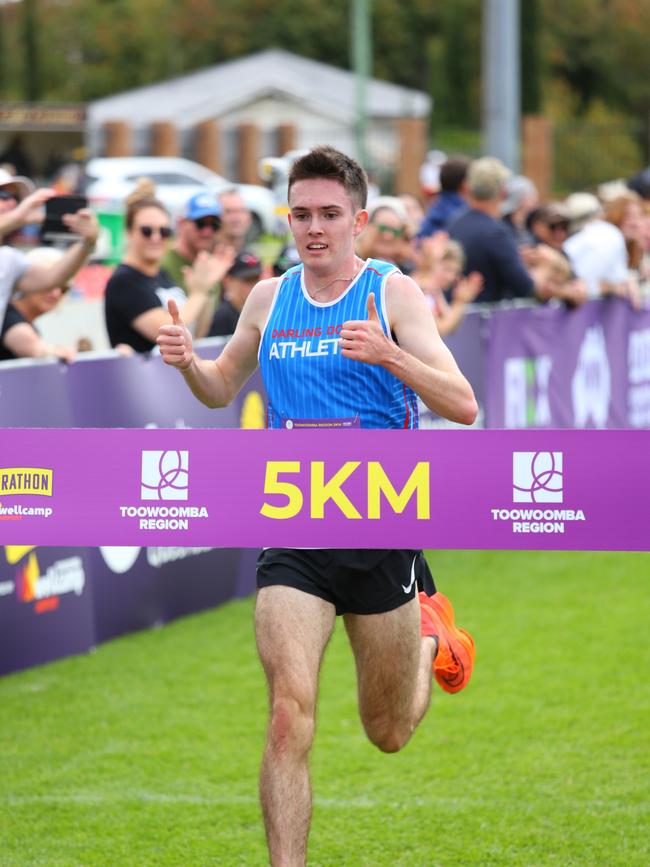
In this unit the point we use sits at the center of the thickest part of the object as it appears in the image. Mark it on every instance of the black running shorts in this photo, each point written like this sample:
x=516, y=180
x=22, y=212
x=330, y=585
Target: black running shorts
x=355, y=581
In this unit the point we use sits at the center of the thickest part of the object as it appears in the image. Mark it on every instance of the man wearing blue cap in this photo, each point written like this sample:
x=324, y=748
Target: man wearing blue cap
x=196, y=232
x=196, y=244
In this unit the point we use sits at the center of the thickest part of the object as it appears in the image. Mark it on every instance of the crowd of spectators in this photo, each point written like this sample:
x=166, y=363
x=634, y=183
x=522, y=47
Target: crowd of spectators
x=574, y=250
x=479, y=234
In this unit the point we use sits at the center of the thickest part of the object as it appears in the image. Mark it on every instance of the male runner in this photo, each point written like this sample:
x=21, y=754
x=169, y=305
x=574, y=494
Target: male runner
x=366, y=378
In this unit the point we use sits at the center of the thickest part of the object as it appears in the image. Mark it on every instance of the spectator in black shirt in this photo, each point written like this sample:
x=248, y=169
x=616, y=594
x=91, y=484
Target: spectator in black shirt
x=488, y=245
x=137, y=292
x=245, y=272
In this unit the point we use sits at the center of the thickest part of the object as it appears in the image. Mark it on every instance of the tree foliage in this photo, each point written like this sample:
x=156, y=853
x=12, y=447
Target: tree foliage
x=86, y=49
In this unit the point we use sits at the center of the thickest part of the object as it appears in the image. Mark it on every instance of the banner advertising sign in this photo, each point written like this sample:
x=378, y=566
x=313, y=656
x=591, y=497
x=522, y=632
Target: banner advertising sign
x=125, y=588
x=559, y=368
x=46, y=605
x=360, y=488
x=136, y=587
x=468, y=346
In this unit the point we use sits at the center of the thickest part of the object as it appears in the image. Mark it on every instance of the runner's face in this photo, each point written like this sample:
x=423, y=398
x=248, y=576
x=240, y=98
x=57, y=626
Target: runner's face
x=324, y=223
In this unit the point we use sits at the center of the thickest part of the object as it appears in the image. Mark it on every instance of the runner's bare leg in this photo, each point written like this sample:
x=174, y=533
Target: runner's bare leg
x=393, y=672
x=292, y=630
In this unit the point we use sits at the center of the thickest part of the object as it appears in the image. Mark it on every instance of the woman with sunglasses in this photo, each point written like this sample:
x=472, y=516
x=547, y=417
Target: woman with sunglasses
x=386, y=235
x=137, y=292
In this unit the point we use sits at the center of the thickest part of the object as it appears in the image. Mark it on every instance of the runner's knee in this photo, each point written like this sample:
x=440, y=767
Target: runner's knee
x=291, y=727
x=386, y=733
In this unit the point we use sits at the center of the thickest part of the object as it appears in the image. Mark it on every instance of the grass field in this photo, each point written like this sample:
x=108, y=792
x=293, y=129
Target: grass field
x=146, y=752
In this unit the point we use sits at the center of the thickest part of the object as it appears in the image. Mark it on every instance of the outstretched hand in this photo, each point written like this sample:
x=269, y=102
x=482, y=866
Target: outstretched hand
x=468, y=288
x=175, y=341
x=84, y=223
x=364, y=339
x=208, y=270
x=30, y=209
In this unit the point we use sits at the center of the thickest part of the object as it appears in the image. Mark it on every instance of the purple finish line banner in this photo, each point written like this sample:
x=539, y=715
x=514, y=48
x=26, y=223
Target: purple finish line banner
x=546, y=490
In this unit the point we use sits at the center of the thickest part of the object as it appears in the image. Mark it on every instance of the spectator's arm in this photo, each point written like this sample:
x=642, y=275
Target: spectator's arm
x=30, y=210
x=23, y=341
x=39, y=277
x=206, y=273
x=149, y=322
x=449, y=316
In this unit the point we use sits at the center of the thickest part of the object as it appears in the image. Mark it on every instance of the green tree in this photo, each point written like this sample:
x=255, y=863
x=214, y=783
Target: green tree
x=531, y=72
x=32, y=54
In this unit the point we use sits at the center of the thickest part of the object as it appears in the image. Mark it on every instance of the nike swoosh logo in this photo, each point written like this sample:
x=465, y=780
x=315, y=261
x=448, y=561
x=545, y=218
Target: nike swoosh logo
x=407, y=589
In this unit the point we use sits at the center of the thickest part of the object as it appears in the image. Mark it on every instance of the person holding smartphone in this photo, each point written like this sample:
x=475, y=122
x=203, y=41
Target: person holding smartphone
x=18, y=274
x=137, y=293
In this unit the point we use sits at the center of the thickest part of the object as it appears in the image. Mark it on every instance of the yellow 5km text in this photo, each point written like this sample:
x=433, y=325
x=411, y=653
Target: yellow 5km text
x=321, y=490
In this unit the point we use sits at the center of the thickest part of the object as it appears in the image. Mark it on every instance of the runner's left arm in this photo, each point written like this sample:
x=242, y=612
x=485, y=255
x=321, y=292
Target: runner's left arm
x=419, y=359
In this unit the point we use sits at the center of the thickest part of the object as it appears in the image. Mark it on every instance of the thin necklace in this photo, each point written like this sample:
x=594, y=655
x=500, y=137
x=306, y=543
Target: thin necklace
x=357, y=262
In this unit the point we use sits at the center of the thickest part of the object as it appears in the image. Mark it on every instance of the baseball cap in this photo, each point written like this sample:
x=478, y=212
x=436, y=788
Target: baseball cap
x=555, y=212
x=393, y=203
x=19, y=185
x=245, y=265
x=582, y=207
x=202, y=205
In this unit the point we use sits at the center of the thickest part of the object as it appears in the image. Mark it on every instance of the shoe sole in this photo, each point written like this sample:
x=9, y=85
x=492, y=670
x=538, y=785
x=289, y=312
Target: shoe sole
x=459, y=640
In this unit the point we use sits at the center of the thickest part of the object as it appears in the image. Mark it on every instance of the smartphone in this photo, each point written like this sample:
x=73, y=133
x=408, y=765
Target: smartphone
x=53, y=225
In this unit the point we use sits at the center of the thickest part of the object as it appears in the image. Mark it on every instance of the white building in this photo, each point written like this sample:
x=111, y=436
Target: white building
x=269, y=90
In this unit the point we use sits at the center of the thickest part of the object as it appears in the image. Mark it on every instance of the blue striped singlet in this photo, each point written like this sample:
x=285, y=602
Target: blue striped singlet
x=306, y=377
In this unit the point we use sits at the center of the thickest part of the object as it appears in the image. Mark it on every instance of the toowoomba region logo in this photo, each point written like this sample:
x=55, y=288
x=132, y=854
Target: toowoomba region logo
x=538, y=479
x=164, y=476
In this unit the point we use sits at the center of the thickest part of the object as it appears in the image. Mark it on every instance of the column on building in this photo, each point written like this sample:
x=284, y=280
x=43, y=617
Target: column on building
x=412, y=139
x=165, y=140
x=537, y=152
x=207, y=145
x=118, y=139
x=249, y=152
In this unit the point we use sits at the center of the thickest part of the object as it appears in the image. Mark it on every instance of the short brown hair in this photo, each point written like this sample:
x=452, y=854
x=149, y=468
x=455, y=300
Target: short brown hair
x=453, y=173
x=326, y=162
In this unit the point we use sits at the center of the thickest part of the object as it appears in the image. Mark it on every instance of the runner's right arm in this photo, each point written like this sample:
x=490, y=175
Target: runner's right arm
x=216, y=383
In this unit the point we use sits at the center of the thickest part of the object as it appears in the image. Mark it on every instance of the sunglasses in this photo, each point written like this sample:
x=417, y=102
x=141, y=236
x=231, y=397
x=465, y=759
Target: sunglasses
x=562, y=224
x=148, y=231
x=5, y=195
x=390, y=230
x=213, y=223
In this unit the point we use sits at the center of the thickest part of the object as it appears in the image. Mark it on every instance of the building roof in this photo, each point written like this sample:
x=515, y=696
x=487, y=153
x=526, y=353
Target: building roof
x=215, y=91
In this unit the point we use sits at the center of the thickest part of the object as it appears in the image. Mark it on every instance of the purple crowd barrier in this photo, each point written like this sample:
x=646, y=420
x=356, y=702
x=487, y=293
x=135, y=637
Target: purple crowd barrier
x=537, y=368
x=549, y=367
x=56, y=601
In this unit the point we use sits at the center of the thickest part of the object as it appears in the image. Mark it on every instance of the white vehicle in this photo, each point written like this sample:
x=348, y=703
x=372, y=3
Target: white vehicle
x=274, y=171
x=109, y=180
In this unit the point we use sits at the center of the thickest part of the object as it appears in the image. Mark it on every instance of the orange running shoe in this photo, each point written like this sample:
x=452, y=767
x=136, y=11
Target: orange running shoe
x=454, y=660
